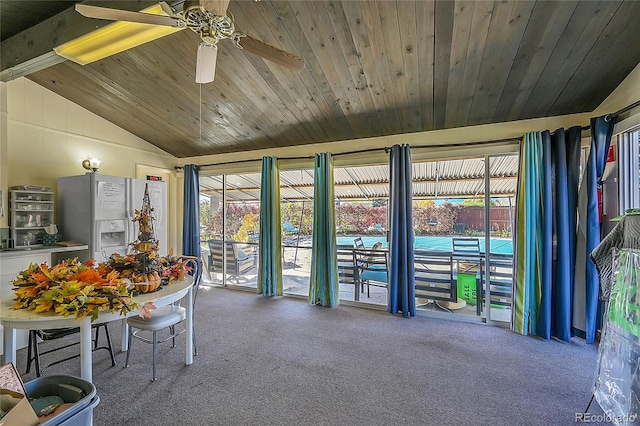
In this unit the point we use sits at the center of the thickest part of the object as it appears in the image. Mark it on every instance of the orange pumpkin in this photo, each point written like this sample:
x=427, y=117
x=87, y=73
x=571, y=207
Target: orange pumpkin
x=146, y=283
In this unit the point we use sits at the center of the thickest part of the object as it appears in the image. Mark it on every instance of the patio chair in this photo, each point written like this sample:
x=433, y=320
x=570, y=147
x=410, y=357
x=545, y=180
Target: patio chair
x=465, y=245
x=238, y=261
x=288, y=228
x=34, y=353
x=434, y=278
x=372, y=267
x=500, y=281
x=254, y=236
x=358, y=243
x=346, y=268
x=378, y=228
x=466, y=254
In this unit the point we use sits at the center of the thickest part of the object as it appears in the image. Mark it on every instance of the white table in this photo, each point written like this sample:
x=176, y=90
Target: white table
x=13, y=319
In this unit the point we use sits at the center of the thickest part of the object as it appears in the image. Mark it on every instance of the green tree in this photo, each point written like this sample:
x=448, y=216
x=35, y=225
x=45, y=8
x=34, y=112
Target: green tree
x=207, y=221
x=469, y=202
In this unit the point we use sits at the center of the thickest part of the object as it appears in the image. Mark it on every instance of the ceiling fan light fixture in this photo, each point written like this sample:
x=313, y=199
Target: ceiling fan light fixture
x=206, y=63
x=113, y=38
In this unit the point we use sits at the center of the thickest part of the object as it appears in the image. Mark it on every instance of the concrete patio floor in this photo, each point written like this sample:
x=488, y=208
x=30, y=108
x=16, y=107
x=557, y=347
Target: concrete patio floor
x=296, y=273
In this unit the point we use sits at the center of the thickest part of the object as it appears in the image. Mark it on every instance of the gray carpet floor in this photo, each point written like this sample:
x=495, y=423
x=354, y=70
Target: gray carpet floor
x=281, y=361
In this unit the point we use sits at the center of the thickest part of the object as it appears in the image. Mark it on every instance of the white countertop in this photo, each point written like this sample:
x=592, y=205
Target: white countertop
x=11, y=253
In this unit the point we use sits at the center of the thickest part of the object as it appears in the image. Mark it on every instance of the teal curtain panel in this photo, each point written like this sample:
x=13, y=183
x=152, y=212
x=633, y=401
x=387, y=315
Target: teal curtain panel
x=270, y=245
x=324, y=287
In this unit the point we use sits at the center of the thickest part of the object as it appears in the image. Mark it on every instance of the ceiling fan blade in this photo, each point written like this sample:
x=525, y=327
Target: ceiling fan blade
x=166, y=8
x=272, y=53
x=217, y=7
x=206, y=63
x=125, y=15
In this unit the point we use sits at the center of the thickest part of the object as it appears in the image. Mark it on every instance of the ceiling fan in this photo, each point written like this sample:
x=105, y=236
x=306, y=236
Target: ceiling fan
x=211, y=20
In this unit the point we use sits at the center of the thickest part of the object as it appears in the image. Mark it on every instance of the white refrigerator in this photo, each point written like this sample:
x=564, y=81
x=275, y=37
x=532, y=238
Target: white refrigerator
x=97, y=210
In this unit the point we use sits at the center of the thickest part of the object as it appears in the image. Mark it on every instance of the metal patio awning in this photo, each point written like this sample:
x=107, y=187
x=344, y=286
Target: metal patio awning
x=461, y=178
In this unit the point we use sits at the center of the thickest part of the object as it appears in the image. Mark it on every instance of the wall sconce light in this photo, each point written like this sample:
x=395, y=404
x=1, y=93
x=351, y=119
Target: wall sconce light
x=91, y=164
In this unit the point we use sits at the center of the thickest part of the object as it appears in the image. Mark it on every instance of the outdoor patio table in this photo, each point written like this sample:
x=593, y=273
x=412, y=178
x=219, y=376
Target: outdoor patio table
x=13, y=319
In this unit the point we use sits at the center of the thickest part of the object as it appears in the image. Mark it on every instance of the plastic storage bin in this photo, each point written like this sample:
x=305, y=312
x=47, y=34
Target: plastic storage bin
x=80, y=413
x=84, y=417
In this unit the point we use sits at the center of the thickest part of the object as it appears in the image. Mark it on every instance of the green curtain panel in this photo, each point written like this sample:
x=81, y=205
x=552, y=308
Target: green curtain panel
x=270, y=246
x=324, y=288
x=529, y=226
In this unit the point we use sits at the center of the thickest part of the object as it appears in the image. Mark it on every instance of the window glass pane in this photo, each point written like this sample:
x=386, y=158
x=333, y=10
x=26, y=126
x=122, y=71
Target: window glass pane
x=296, y=214
x=448, y=213
x=242, y=225
x=362, y=197
x=502, y=184
x=211, y=209
x=237, y=220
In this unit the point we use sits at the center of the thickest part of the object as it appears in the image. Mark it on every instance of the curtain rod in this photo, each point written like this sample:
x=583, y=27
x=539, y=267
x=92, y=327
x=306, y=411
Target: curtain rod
x=243, y=161
x=582, y=129
x=615, y=115
x=446, y=145
x=360, y=151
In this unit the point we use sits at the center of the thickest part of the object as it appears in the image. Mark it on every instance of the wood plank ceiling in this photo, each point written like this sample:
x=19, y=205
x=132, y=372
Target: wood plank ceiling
x=373, y=68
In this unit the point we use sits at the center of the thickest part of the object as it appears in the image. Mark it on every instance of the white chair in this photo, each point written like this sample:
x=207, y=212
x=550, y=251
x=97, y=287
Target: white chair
x=165, y=317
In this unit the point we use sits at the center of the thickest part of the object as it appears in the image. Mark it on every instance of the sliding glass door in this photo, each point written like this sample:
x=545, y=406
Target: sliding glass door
x=463, y=217
x=229, y=216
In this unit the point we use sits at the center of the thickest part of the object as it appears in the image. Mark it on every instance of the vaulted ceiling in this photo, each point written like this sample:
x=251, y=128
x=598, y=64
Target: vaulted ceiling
x=373, y=68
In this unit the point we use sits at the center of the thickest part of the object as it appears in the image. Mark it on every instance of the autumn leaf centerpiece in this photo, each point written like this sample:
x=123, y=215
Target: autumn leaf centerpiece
x=73, y=288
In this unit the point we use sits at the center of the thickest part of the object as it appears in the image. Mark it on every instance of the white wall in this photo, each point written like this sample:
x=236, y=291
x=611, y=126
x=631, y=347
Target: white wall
x=4, y=170
x=48, y=136
x=625, y=94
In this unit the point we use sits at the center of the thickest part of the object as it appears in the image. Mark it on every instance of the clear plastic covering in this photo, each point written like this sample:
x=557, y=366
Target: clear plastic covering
x=617, y=378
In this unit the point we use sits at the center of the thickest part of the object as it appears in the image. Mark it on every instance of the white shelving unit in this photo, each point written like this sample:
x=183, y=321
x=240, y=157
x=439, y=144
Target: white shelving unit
x=31, y=211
